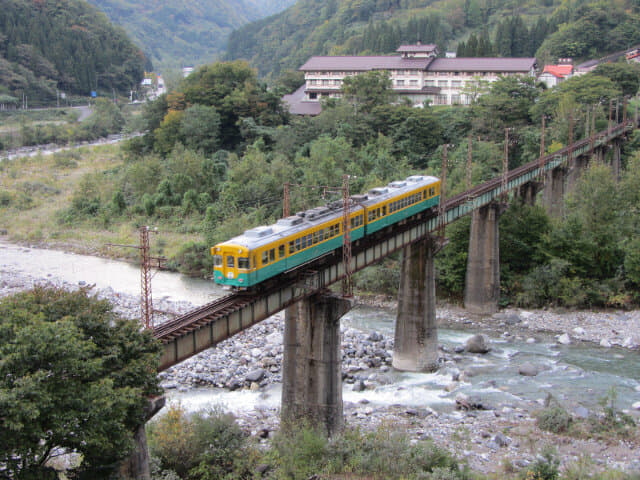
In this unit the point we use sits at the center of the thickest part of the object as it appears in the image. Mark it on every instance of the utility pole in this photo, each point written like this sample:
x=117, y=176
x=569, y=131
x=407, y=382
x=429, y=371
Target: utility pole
x=469, y=160
x=543, y=148
x=146, y=298
x=347, y=283
x=443, y=192
x=286, y=200
x=505, y=166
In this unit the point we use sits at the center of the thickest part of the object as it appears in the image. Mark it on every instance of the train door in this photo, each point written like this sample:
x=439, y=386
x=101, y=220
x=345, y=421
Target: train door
x=229, y=263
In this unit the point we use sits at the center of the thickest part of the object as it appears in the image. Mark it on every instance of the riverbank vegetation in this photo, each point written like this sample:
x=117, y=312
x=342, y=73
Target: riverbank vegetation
x=61, y=126
x=218, y=150
x=209, y=444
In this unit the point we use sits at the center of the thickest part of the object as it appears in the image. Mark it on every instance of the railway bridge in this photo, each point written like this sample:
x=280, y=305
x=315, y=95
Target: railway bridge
x=311, y=372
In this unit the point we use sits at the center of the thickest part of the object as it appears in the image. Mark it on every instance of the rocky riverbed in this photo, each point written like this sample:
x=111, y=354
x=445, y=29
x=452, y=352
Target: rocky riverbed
x=489, y=436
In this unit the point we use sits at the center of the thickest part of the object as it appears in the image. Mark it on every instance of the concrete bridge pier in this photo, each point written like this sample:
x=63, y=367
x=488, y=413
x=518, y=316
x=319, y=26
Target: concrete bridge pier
x=528, y=192
x=137, y=465
x=579, y=165
x=553, y=193
x=312, y=371
x=482, y=284
x=616, y=160
x=416, y=334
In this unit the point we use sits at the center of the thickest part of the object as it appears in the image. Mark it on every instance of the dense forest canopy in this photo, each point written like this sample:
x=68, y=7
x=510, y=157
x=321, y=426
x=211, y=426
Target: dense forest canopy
x=63, y=44
x=181, y=33
x=544, y=28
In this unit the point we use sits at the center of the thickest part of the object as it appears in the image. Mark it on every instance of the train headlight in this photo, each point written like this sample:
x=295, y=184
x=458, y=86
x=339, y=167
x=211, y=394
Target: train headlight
x=230, y=275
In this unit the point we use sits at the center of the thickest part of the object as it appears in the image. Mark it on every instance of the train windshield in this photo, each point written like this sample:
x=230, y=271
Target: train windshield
x=243, y=262
x=217, y=260
x=231, y=261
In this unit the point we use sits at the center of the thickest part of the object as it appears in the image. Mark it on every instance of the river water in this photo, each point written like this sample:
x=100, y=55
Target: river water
x=577, y=375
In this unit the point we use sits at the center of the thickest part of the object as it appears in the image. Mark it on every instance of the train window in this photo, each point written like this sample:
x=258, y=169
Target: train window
x=309, y=240
x=254, y=263
x=217, y=260
x=272, y=255
x=419, y=194
x=320, y=235
x=231, y=262
x=265, y=257
x=425, y=194
x=297, y=244
x=280, y=251
x=291, y=247
x=384, y=210
x=432, y=191
x=315, y=237
x=303, y=243
x=243, y=262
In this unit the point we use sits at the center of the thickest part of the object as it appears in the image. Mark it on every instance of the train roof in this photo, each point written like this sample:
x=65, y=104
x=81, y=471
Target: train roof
x=284, y=227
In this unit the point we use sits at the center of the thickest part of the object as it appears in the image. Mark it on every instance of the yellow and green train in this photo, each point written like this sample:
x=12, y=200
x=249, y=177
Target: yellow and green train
x=264, y=252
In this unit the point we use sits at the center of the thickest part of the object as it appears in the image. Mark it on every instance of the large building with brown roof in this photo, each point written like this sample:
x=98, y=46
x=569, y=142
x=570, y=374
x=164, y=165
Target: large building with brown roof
x=415, y=74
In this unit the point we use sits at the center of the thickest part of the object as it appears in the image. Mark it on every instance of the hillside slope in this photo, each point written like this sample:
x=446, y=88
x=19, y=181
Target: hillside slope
x=63, y=44
x=348, y=27
x=185, y=32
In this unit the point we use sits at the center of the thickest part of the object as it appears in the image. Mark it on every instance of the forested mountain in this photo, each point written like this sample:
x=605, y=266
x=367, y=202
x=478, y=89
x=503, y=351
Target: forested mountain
x=63, y=44
x=175, y=33
x=576, y=28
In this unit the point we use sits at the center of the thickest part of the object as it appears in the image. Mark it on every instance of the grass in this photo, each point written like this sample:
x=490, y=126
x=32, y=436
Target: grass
x=35, y=190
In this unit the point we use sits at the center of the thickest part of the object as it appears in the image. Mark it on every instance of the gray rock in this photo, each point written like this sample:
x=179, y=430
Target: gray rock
x=564, y=339
x=528, y=369
x=477, y=344
x=255, y=375
x=501, y=440
x=605, y=343
x=512, y=319
x=459, y=349
x=233, y=384
x=359, y=386
x=581, y=412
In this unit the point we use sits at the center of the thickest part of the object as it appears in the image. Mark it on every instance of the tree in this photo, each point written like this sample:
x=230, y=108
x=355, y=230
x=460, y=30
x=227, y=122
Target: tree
x=368, y=89
x=626, y=76
x=74, y=377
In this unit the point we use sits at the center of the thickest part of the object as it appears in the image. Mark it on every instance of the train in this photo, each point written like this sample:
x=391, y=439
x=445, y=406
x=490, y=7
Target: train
x=261, y=253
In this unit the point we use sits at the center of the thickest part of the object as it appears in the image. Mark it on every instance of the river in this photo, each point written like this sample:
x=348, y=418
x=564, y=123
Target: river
x=577, y=375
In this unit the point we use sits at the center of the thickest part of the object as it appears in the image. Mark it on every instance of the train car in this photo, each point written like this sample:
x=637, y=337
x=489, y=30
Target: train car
x=266, y=251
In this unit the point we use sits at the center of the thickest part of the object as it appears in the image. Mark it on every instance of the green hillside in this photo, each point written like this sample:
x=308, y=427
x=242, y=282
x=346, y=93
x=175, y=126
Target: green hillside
x=504, y=27
x=179, y=33
x=64, y=44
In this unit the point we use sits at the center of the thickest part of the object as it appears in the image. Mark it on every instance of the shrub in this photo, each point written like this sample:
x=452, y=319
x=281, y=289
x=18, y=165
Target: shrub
x=554, y=419
x=207, y=445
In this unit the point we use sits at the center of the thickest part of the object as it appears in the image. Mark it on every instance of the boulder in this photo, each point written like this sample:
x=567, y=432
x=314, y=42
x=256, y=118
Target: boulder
x=605, y=343
x=502, y=440
x=564, y=339
x=528, y=369
x=255, y=375
x=579, y=331
x=477, y=344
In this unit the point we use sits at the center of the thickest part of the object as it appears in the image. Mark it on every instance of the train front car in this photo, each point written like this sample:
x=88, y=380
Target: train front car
x=231, y=264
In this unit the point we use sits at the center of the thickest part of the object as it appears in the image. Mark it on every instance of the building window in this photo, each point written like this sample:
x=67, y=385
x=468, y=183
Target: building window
x=337, y=82
x=455, y=99
x=400, y=83
x=413, y=82
x=456, y=83
x=325, y=82
x=429, y=83
x=312, y=82
x=441, y=99
x=443, y=83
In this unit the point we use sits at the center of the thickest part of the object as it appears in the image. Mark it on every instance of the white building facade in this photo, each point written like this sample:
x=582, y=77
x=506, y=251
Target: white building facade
x=416, y=74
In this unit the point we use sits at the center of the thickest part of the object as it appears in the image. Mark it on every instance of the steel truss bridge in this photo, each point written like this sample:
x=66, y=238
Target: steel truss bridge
x=205, y=326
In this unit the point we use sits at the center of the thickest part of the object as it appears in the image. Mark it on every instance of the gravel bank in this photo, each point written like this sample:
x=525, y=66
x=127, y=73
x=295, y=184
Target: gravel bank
x=487, y=436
